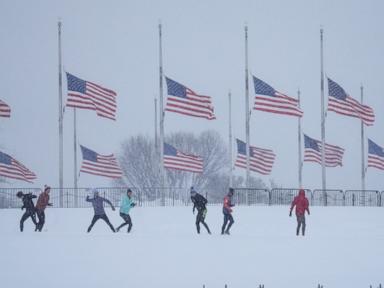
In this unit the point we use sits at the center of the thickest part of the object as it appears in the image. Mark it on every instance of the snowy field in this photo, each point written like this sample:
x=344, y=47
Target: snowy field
x=344, y=247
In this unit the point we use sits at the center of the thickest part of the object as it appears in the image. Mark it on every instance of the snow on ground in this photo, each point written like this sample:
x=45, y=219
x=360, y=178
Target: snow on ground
x=343, y=248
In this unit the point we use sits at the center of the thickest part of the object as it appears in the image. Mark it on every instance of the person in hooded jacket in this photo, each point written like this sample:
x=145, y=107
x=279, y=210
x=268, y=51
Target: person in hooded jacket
x=199, y=203
x=227, y=211
x=302, y=204
x=98, y=207
x=29, y=208
x=41, y=204
x=126, y=205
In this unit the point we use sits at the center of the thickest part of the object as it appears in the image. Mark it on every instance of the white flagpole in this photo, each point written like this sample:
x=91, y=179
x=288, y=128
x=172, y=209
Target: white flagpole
x=362, y=145
x=323, y=171
x=230, y=138
x=300, y=164
x=75, y=173
x=247, y=113
x=61, y=200
x=161, y=115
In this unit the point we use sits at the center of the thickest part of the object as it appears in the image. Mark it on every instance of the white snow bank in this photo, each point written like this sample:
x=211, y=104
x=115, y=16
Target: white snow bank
x=343, y=248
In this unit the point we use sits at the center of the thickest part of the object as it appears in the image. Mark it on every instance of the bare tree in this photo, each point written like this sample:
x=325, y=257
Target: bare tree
x=141, y=166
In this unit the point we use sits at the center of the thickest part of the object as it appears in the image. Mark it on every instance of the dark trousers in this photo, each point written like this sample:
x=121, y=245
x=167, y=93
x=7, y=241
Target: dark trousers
x=41, y=217
x=26, y=215
x=127, y=221
x=300, y=223
x=97, y=217
x=200, y=217
x=227, y=218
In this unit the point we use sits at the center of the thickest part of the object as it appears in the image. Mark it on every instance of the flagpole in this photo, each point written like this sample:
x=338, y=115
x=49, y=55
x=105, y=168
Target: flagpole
x=323, y=172
x=156, y=136
x=60, y=122
x=230, y=137
x=246, y=104
x=362, y=145
x=75, y=156
x=161, y=114
x=300, y=164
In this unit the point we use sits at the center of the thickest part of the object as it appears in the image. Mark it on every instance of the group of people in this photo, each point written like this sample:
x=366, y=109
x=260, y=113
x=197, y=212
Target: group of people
x=31, y=210
x=199, y=203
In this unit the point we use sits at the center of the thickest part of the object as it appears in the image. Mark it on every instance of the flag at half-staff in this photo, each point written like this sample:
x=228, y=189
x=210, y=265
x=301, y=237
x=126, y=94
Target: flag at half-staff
x=340, y=102
x=185, y=101
x=11, y=168
x=100, y=165
x=313, y=149
x=87, y=95
x=5, y=110
x=260, y=160
x=267, y=99
x=375, y=155
x=175, y=159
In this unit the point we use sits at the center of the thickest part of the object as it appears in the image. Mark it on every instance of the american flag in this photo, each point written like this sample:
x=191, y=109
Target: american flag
x=340, y=102
x=174, y=159
x=11, y=168
x=312, y=152
x=375, y=155
x=185, y=101
x=88, y=95
x=267, y=99
x=100, y=165
x=260, y=160
x=5, y=110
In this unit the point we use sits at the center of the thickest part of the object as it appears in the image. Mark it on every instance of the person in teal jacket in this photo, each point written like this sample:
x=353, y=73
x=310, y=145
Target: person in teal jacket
x=126, y=205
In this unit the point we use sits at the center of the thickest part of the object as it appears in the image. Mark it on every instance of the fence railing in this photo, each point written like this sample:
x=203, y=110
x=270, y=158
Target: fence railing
x=155, y=196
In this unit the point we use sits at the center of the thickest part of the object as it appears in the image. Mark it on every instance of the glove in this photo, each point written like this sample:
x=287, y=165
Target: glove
x=309, y=213
x=133, y=204
x=113, y=209
x=50, y=204
x=22, y=208
x=290, y=213
x=193, y=210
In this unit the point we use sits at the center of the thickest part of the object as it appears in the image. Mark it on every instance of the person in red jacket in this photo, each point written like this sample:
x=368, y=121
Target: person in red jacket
x=302, y=205
x=227, y=211
x=41, y=204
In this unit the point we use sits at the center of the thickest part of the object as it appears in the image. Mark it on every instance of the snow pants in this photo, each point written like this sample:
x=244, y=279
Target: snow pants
x=300, y=223
x=97, y=217
x=227, y=218
x=28, y=213
x=41, y=217
x=127, y=221
x=200, y=218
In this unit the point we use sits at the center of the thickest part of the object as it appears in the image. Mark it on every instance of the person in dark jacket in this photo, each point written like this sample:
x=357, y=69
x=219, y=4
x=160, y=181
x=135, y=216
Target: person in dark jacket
x=302, y=205
x=227, y=211
x=98, y=207
x=199, y=203
x=29, y=208
x=41, y=204
x=126, y=205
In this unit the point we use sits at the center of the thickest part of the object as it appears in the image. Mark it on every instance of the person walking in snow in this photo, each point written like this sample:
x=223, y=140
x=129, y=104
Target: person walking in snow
x=302, y=205
x=126, y=205
x=98, y=207
x=199, y=203
x=227, y=211
x=41, y=204
x=29, y=208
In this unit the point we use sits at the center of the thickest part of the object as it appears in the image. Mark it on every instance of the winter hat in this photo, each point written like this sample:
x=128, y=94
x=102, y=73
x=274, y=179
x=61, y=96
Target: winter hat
x=19, y=194
x=231, y=191
x=129, y=190
x=192, y=190
x=95, y=192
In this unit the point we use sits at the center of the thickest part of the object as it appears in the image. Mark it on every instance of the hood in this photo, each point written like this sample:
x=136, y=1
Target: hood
x=302, y=193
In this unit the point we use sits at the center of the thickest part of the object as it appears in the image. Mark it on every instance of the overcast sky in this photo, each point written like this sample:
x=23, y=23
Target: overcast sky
x=115, y=44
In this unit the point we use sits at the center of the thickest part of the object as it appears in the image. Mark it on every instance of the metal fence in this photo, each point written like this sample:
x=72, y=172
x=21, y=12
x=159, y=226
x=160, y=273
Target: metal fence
x=154, y=196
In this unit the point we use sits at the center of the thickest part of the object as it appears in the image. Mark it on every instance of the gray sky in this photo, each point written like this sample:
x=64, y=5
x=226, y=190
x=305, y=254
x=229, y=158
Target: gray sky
x=115, y=44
